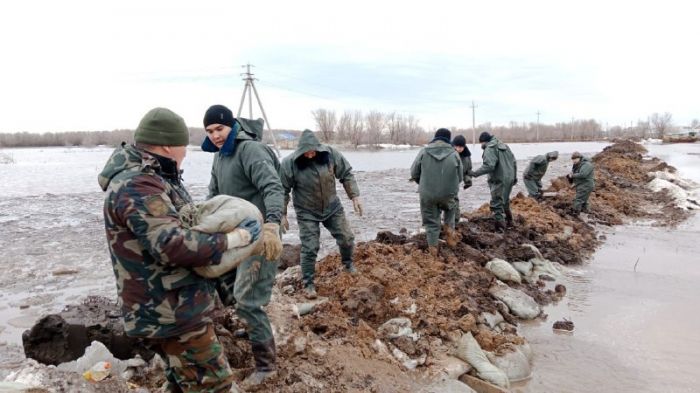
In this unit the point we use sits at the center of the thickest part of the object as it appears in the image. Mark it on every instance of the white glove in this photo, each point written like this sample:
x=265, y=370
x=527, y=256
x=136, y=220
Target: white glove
x=238, y=238
x=357, y=205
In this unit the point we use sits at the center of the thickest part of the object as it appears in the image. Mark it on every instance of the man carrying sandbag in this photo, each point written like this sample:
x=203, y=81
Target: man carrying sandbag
x=532, y=177
x=244, y=167
x=154, y=255
x=309, y=174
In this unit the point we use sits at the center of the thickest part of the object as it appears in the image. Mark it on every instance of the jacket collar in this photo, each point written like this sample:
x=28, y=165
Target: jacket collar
x=228, y=147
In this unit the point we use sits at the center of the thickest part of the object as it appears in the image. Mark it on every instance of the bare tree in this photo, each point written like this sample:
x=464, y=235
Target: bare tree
x=325, y=123
x=375, y=126
x=343, y=127
x=396, y=127
x=661, y=123
x=695, y=124
x=357, y=128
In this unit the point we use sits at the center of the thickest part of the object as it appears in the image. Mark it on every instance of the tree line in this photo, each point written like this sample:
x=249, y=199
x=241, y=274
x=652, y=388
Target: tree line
x=355, y=129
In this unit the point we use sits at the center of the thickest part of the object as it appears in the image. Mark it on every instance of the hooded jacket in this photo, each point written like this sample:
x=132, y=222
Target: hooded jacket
x=538, y=167
x=583, y=173
x=152, y=253
x=312, y=182
x=248, y=169
x=498, y=162
x=438, y=171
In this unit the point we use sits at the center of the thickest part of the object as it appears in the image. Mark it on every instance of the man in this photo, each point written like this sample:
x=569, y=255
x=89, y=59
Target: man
x=499, y=163
x=310, y=173
x=582, y=177
x=460, y=145
x=438, y=170
x=153, y=255
x=535, y=171
x=246, y=168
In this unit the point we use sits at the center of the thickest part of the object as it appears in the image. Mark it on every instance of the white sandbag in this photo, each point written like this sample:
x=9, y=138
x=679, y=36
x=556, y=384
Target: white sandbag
x=513, y=363
x=397, y=327
x=544, y=266
x=447, y=386
x=518, y=302
x=470, y=351
x=524, y=268
x=223, y=213
x=503, y=270
x=534, y=249
x=96, y=352
x=491, y=319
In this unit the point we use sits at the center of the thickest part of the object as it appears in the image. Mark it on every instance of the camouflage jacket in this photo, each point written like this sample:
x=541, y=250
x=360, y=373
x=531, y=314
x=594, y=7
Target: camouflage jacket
x=152, y=252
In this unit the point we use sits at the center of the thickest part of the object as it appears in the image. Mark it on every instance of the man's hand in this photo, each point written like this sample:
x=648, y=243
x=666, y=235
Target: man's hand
x=570, y=178
x=239, y=237
x=466, y=185
x=271, y=241
x=357, y=205
x=515, y=180
x=285, y=223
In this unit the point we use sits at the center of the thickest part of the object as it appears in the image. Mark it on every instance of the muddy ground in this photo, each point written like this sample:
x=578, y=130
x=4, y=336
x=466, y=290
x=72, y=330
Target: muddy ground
x=334, y=348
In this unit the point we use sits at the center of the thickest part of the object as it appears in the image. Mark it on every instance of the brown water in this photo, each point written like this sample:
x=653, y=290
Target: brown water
x=635, y=331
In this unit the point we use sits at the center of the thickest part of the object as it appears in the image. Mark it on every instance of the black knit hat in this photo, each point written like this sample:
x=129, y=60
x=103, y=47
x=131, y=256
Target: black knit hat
x=459, y=141
x=485, y=137
x=218, y=114
x=443, y=133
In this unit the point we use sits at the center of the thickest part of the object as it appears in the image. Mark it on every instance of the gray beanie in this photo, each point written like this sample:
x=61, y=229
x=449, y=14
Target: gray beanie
x=162, y=127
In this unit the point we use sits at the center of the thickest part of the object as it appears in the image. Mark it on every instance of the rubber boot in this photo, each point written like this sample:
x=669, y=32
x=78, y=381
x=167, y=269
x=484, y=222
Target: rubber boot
x=509, y=219
x=264, y=355
x=310, y=292
x=346, y=257
x=500, y=226
x=433, y=251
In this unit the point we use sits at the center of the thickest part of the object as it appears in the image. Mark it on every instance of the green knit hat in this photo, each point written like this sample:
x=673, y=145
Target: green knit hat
x=162, y=127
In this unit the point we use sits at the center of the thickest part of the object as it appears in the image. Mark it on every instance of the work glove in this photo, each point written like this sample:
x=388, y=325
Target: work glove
x=239, y=237
x=466, y=185
x=570, y=178
x=515, y=181
x=357, y=205
x=272, y=243
x=285, y=223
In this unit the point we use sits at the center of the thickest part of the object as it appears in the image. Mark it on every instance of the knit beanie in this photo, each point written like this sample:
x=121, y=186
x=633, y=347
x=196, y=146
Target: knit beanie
x=485, y=137
x=459, y=141
x=162, y=127
x=576, y=155
x=443, y=133
x=218, y=114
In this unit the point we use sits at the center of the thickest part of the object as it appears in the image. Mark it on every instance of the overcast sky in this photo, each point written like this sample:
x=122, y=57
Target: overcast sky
x=94, y=65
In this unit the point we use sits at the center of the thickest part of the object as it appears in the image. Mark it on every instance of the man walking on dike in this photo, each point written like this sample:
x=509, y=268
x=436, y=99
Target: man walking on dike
x=501, y=167
x=581, y=176
x=244, y=167
x=153, y=255
x=438, y=171
x=460, y=145
x=535, y=171
x=310, y=173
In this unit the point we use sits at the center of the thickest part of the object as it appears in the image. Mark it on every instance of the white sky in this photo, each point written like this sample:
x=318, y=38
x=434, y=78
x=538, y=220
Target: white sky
x=97, y=65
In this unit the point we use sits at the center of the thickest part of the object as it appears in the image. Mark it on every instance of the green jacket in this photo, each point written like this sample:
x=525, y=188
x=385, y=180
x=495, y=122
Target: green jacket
x=248, y=170
x=312, y=182
x=583, y=173
x=438, y=171
x=152, y=253
x=538, y=167
x=466, y=169
x=498, y=162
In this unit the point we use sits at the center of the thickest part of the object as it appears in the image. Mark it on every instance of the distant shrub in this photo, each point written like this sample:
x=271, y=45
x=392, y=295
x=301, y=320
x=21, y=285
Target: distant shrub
x=6, y=158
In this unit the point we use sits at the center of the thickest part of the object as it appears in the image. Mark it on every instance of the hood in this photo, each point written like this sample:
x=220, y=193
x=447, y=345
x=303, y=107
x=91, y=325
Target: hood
x=124, y=158
x=496, y=144
x=552, y=154
x=229, y=145
x=440, y=149
x=307, y=141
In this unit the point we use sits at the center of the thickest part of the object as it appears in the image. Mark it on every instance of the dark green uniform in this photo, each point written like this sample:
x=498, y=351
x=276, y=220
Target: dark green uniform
x=583, y=175
x=466, y=169
x=438, y=171
x=248, y=169
x=532, y=177
x=152, y=253
x=501, y=167
x=312, y=184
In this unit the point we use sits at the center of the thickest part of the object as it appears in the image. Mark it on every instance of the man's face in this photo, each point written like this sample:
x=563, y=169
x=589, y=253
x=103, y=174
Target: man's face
x=576, y=160
x=178, y=154
x=310, y=154
x=217, y=134
x=459, y=149
x=483, y=145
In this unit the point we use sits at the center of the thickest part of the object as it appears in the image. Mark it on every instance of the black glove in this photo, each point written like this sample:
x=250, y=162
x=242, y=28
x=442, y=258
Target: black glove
x=466, y=185
x=515, y=181
x=570, y=178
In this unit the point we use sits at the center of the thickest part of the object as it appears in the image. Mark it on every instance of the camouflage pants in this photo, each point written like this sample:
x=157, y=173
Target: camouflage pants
x=431, y=212
x=500, y=200
x=310, y=235
x=581, y=199
x=196, y=362
x=534, y=187
x=249, y=288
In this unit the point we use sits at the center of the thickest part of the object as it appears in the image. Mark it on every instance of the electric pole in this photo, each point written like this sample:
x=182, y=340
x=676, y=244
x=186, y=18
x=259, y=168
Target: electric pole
x=473, y=125
x=537, y=127
x=572, y=128
x=250, y=89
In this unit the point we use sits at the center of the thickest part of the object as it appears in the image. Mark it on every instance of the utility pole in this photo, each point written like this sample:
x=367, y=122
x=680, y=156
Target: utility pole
x=572, y=128
x=537, y=127
x=473, y=125
x=250, y=89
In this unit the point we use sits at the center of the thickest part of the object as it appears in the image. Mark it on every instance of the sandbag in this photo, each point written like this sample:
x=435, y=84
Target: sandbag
x=470, y=351
x=518, y=302
x=524, y=268
x=503, y=270
x=223, y=213
x=514, y=363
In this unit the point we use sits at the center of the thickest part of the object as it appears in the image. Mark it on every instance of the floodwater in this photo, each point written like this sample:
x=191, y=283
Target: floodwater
x=634, y=329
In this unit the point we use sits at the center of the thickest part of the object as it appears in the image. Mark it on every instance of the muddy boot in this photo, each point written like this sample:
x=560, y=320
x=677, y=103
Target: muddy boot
x=310, y=291
x=499, y=226
x=509, y=219
x=350, y=268
x=433, y=251
x=346, y=256
x=235, y=388
x=264, y=354
x=450, y=236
